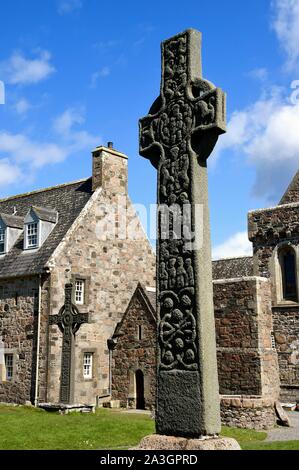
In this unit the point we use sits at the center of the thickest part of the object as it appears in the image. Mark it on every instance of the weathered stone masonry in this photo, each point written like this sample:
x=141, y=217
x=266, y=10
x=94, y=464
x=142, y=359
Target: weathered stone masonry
x=271, y=230
x=112, y=263
x=131, y=353
x=19, y=311
x=83, y=245
x=247, y=362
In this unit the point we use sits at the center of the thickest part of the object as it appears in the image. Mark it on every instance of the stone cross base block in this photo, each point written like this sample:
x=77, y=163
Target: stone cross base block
x=159, y=442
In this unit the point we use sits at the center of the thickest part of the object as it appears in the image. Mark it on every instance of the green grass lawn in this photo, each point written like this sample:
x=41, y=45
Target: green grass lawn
x=29, y=428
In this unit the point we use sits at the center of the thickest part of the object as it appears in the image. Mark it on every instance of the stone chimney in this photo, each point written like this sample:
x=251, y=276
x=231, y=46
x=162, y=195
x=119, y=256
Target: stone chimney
x=109, y=170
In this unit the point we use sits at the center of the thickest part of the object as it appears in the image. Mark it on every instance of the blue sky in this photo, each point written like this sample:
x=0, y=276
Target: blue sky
x=79, y=73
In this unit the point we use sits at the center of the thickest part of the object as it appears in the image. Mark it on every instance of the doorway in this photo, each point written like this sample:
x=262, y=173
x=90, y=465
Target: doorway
x=139, y=381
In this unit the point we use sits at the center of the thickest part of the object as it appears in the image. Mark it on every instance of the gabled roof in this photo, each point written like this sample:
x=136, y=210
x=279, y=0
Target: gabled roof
x=148, y=299
x=45, y=213
x=12, y=221
x=292, y=192
x=67, y=199
x=151, y=295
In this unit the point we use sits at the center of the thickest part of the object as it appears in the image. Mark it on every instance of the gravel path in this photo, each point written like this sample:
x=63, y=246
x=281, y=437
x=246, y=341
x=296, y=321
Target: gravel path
x=283, y=433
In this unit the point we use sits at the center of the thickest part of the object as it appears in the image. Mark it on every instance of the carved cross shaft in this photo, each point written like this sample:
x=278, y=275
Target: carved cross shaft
x=69, y=320
x=177, y=136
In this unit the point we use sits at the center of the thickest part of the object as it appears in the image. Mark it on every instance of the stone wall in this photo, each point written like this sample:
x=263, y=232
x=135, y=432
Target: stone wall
x=270, y=229
x=131, y=354
x=267, y=229
x=247, y=364
x=248, y=412
x=112, y=264
x=18, y=318
x=286, y=327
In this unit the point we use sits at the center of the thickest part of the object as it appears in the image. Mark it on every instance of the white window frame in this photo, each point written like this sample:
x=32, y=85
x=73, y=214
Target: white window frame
x=87, y=365
x=79, y=291
x=27, y=235
x=9, y=366
x=3, y=234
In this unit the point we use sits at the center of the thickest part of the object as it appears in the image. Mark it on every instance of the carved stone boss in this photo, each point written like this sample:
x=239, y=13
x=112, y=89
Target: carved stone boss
x=69, y=320
x=177, y=136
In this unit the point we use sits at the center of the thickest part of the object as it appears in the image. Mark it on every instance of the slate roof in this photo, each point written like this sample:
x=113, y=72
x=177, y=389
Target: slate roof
x=12, y=221
x=46, y=213
x=67, y=199
x=228, y=268
x=151, y=295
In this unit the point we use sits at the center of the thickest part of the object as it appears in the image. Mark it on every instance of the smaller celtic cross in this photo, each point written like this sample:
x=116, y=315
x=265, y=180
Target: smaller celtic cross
x=69, y=320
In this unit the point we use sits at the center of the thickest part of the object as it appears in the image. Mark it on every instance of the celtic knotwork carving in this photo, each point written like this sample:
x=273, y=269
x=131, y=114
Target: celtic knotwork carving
x=205, y=111
x=175, y=123
x=177, y=331
x=170, y=135
x=175, y=76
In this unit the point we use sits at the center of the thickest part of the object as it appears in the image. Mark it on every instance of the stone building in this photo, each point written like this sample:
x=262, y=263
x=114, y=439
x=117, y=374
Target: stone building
x=72, y=233
x=133, y=346
x=257, y=324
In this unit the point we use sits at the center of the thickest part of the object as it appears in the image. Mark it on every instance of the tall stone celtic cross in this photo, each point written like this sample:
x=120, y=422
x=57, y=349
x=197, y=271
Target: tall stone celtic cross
x=177, y=136
x=69, y=320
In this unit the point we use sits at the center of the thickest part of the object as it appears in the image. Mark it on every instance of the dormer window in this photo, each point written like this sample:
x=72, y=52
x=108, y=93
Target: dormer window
x=32, y=235
x=11, y=227
x=39, y=223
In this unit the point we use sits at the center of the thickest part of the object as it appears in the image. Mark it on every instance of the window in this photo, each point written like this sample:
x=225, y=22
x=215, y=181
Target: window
x=9, y=366
x=2, y=240
x=273, y=343
x=32, y=231
x=139, y=332
x=79, y=292
x=287, y=260
x=87, y=365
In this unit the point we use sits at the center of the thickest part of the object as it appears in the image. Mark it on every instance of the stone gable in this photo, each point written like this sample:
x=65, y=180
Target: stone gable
x=292, y=192
x=131, y=353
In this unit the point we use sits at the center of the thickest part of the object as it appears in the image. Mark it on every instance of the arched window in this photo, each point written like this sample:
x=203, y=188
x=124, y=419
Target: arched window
x=287, y=260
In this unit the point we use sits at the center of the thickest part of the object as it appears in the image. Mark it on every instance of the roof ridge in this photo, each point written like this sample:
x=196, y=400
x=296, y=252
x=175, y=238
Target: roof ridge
x=232, y=257
x=42, y=190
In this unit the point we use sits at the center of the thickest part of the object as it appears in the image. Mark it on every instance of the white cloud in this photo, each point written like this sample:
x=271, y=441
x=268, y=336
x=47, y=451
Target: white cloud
x=75, y=140
x=236, y=245
x=22, y=106
x=18, y=70
x=260, y=74
x=21, y=149
x=102, y=45
x=103, y=72
x=286, y=26
x=68, y=6
x=9, y=173
x=63, y=124
x=21, y=156
x=266, y=132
